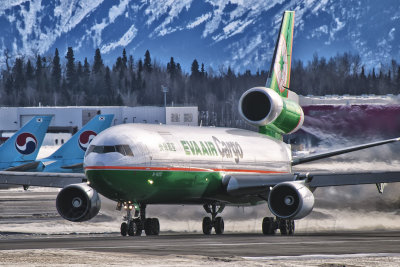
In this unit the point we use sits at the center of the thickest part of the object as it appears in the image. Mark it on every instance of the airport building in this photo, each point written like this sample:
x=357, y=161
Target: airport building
x=71, y=119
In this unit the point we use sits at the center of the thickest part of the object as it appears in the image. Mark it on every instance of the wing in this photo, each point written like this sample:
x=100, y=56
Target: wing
x=41, y=179
x=317, y=156
x=245, y=185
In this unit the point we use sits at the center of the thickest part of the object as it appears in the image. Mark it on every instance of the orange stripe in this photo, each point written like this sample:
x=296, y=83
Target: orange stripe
x=175, y=169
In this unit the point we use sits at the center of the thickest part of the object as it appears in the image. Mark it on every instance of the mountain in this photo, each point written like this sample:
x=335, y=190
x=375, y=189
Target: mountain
x=220, y=33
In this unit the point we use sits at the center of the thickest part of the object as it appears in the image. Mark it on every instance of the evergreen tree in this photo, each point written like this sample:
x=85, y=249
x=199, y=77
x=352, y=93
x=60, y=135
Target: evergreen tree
x=202, y=71
x=86, y=68
x=124, y=59
x=38, y=74
x=70, y=69
x=98, y=62
x=29, y=70
x=108, y=88
x=130, y=63
x=147, y=62
x=171, y=68
x=19, y=77
x=56, y=71
x=140, y=66
x=194, y=69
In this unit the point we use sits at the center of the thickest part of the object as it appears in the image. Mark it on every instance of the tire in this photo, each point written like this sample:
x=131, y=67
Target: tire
x=139, y=227
x=284, y=227
x=132, y=228
x=207, y=225
x=291, y=227
x=148, y=226
x=124, y=229
x=155, y=226
x=268, y=226
x=219, y=225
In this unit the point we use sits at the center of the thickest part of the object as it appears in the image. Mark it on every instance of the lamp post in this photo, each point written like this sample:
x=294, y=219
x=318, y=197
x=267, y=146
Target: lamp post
x=165, y=90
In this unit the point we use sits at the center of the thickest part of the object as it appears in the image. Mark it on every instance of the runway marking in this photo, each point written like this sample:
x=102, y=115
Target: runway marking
x=323, y=256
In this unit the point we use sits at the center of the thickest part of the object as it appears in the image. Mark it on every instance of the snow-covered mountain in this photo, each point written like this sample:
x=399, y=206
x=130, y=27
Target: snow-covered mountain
x=219, y=33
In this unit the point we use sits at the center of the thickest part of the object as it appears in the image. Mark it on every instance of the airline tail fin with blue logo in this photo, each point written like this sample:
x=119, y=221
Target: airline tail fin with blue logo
x=76, y=146
x=24, y=145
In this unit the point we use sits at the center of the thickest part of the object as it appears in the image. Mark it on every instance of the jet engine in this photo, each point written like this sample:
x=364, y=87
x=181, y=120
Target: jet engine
x=290, y=200
x=260, y=106
x=78, y=202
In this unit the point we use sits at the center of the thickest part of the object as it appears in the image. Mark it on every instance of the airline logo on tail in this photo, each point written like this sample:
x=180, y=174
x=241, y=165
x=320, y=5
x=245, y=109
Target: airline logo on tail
x=26, y=143
x=85, y=138
x=281, y=64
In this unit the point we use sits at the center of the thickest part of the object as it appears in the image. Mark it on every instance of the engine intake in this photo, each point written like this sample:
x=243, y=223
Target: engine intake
x=78, y=202
x=290, y=200
x=260, y=106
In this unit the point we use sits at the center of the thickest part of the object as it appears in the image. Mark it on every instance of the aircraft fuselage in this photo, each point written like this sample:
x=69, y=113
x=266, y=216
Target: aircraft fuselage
x=179, y=164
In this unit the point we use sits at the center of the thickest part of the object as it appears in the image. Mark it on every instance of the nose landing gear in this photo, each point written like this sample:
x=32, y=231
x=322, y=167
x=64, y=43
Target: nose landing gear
x=214, y=221
x=134, y=226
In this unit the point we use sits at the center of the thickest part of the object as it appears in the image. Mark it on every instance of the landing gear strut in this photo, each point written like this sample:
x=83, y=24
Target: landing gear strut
x=135, y=225
x=214, y=221
x=271, y=224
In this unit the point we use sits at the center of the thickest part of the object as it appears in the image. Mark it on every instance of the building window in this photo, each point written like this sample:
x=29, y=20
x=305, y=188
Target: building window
x=175, y=117
x=188, y=117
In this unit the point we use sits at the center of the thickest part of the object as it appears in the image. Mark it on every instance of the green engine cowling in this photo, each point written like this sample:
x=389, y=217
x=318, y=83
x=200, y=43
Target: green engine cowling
x=263, y=107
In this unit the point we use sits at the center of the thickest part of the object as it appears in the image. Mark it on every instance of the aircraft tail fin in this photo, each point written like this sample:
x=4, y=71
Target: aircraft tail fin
x=279, y=73
x=76, y=146
x=24, y=145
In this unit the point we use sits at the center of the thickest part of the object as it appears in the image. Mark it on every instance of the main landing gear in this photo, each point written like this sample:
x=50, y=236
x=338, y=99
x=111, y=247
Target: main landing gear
x=135, y=225
x=214, y=221
x=271, y=224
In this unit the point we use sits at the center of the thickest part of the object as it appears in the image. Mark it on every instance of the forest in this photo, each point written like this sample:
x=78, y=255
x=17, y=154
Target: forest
x=62, y=80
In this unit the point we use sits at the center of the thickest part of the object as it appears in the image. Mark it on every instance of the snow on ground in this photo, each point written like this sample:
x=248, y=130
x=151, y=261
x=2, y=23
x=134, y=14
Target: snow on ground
x=58, y=257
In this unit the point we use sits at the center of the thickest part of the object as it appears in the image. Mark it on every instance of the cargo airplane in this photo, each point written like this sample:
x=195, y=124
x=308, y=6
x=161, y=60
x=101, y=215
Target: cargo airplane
x=138, y=165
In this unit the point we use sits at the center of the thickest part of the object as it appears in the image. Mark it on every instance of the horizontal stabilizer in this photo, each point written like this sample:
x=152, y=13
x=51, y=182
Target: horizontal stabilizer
x=74, y=166
x=24, y=167
x=317, y=156
x=59, y=180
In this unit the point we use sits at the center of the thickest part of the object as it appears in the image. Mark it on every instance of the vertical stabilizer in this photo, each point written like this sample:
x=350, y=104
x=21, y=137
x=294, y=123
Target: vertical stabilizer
x=24, y=145
x=76, y=146
x=279, y=73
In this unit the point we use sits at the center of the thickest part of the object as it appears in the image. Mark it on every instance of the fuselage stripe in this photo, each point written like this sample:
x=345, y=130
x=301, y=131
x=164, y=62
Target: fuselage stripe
x=177, y=169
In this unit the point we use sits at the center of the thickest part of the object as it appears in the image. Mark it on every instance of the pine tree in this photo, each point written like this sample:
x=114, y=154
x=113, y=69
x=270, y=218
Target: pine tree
x=195, y=69
x=171, y=68
x=108, y=87
x=38, y=74
x=29, y=70
x=19, y=77
x=56, y=71
x=70, y=69
x=124, y=59
x=147, y=62
x=86, y=67
x=98, y=62
x=202, y=71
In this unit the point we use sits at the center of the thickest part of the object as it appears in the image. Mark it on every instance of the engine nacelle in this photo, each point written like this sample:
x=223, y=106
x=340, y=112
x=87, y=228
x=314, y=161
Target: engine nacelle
x=290, y=200
x=261, y=106
x=78, y=202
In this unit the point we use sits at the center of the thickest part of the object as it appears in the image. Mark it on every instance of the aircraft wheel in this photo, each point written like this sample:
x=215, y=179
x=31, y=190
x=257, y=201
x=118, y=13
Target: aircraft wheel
x=219, y=225
x=155, y=226
x=148, y=226
x=124, y=229
x=284, y=227
x=207, y=225
x=139, y=227
x=132, y=228
x=268, y=226
x=291, y=227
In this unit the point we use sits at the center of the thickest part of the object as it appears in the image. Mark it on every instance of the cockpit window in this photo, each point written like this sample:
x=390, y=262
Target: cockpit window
x=122, y=149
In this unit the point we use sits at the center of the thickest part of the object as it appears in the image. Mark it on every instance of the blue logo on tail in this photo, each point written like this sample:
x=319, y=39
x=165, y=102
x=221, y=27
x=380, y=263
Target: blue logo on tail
x=26, y=143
